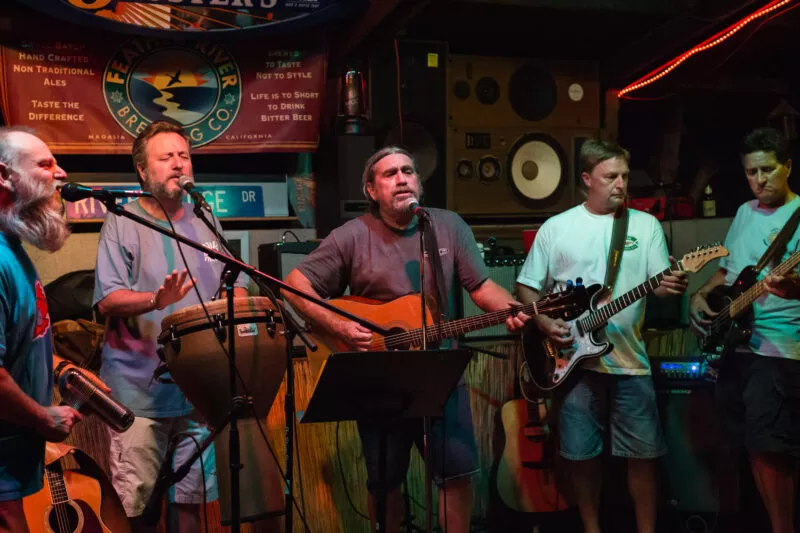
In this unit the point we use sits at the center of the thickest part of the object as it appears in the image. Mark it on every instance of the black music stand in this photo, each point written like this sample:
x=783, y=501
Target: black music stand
x=384, y=386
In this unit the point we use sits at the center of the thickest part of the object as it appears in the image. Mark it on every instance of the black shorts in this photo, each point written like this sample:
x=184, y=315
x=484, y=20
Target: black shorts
x=454, y=451
x=758, y=399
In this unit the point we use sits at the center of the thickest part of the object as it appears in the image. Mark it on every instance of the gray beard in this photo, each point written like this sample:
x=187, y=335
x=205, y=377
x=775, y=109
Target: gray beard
x=34, y=219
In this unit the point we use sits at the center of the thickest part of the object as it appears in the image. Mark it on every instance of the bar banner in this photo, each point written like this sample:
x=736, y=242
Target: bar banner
x=94, y=97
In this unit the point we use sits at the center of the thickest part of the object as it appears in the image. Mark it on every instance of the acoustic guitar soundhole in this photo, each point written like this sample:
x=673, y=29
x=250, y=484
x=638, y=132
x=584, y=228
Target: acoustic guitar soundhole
x=63, y=518
x=400, y=339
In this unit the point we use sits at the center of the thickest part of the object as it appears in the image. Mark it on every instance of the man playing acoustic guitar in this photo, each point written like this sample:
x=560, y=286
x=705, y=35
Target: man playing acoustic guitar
x=758, y=390
x=377, y=256
x=615, y=389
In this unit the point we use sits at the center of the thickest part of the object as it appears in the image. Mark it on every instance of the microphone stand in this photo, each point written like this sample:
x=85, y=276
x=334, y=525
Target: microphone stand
x=426, y=420
x=291, y=329
x=234, y=266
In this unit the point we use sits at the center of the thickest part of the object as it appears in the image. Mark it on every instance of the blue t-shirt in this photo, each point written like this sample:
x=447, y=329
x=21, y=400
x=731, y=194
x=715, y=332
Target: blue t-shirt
x=133, y=257
x=26, y=352
x=776, y=330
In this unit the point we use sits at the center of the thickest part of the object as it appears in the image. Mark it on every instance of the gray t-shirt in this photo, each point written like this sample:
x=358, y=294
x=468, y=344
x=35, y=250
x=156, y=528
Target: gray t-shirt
x=382, y=263
x=133, y=257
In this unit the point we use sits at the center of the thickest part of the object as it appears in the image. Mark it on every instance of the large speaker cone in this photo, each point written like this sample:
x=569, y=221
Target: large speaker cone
x=537, y=169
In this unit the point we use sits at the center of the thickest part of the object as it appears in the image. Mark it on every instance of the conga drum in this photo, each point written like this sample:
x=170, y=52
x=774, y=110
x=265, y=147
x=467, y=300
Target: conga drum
x=199, y=366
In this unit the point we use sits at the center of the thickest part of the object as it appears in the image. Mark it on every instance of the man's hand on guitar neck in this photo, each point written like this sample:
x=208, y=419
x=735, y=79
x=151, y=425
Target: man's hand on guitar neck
x=672, y=284
x=787, y=287
x=357, y=337
x=516, y=323
x=557, y=331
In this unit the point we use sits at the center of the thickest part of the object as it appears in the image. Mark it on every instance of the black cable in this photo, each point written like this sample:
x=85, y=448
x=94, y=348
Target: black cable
x=202, y=473
x=277, y=465
x=299, y=468
x=344, y=480
x=289, y=232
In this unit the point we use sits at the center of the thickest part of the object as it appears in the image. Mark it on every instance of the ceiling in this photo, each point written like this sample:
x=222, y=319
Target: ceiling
x=628, y=38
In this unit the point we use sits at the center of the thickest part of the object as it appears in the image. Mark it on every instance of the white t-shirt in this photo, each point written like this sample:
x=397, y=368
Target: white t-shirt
x=776, y=330
x=575, y=244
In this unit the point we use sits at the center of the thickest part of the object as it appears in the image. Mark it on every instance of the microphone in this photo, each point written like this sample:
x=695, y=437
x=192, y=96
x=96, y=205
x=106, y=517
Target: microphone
x=77, y=389
x=187, y=184
x=412, y=205
x=74, y=192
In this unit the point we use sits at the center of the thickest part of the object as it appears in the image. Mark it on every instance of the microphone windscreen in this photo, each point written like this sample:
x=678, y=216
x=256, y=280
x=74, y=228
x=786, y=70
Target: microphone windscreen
x=184, y=181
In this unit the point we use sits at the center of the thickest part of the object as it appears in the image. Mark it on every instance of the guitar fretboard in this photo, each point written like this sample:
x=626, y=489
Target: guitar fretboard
x=55, y=480
x=600, y=317
x=746, y=299
x=454, y=328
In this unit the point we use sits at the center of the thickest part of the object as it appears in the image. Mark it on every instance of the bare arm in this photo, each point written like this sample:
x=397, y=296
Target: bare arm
x=356, y=336
x=125, y=303
x=53, y=423
x=698, y=306
x=490, y=296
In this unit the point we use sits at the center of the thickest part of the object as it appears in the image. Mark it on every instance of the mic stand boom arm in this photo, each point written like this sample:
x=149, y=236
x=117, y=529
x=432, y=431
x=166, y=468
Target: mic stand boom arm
x=238, y=265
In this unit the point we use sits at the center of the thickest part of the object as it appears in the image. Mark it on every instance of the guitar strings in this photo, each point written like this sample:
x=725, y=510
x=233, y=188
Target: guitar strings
x=62, y=517
x=721, y=319
x=437, y=331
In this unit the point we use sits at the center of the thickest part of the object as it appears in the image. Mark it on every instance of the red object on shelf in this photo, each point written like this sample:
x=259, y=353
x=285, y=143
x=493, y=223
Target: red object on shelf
x=682, y=206
x=527, y=238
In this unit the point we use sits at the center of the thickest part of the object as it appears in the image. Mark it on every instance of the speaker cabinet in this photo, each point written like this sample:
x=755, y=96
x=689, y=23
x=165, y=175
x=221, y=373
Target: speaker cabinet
x=417, y=122
x=503, y=270
x=352, y=151
x=514, y=171
x=488, y=92
x=699, y=473
x=279, y=258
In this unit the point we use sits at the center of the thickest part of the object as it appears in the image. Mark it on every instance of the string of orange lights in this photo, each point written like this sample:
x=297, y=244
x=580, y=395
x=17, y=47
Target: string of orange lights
x=711, y=42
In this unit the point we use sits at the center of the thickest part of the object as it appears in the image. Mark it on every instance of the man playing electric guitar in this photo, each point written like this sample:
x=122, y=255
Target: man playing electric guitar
x=576, y=243
x=758, y=389
x=377, y=257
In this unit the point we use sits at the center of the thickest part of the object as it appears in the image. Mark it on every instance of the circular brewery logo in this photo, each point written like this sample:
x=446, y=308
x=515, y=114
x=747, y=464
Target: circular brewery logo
x=195, y=84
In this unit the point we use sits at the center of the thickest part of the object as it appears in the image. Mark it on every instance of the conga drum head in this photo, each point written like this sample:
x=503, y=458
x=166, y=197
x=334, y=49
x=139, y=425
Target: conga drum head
x=193, y=351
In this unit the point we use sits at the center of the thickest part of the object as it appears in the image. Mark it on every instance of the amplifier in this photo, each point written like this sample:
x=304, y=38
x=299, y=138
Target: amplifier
x=681, y=372
x=503, y=270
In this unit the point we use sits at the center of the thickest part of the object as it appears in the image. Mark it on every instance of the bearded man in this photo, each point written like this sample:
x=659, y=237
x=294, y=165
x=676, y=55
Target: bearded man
x=30, y=210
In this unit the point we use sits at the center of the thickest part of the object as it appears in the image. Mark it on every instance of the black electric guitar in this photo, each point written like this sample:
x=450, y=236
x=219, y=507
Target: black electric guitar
x=549, y=367
x=734, y=303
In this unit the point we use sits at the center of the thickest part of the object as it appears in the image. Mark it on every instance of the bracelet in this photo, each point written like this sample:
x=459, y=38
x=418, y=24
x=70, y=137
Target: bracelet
x=153, y=300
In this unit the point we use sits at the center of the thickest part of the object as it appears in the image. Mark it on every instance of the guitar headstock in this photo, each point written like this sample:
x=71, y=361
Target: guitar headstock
x=701, y=256
x=566, y=304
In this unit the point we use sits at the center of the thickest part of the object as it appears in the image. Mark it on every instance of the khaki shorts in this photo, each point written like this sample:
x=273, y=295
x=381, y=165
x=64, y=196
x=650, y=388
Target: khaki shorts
x=137, y=454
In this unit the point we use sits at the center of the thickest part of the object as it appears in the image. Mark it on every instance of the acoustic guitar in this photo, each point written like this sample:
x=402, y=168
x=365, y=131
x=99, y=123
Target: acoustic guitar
x=69, y=502
x=401, y=320
x=525, y=478
x=550, y=367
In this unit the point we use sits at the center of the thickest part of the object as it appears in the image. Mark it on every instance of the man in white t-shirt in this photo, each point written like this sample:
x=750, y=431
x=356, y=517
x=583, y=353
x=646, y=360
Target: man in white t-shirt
x=758, y=390
x=615, y=390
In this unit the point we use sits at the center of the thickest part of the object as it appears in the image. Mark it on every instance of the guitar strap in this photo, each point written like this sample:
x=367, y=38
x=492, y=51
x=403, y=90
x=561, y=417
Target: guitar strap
x=778, y=246
x=618, y=233
x=432, y=246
